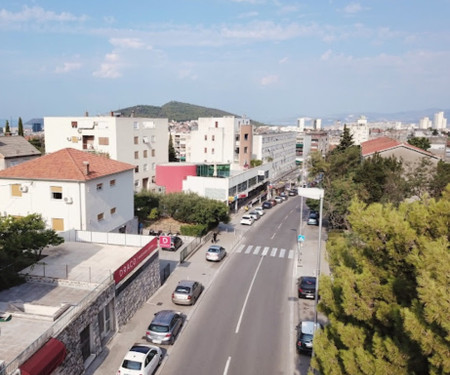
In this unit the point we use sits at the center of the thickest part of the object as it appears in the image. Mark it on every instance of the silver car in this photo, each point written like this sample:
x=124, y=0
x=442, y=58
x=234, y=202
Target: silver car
x=187, y=292
x=215, y=253
x=165, y=327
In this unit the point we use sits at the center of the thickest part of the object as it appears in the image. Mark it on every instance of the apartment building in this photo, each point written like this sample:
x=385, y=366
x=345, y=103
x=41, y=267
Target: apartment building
x=71, y=189
x=142, y=142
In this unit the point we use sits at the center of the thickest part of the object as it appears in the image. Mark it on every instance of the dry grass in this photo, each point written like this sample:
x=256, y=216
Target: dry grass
x=166, y=225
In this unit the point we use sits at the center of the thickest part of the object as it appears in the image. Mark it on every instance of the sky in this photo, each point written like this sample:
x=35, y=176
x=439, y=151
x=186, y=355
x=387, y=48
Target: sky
x=268, y=60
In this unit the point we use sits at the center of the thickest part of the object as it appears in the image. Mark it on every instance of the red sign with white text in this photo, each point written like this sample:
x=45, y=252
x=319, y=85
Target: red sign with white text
x=126, y=268
x=164, y=241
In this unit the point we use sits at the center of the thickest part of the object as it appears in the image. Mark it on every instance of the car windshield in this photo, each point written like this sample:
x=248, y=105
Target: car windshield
x=159, y=328
x=131, y=365
x=306, y=337
x=308, y=283
x=182, y=289
x=213, y=250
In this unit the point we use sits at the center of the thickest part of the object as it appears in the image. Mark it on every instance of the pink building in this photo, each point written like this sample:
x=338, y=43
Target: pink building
x=171, y=175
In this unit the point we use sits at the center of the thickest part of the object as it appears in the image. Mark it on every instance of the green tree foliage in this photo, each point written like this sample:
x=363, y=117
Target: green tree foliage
x=255, y=163
x=20, y=127
x=388, y=301
x=346, y=140
x=420, y=142
x=441, y=179
x=144, y=203
x=39, y=143
x=7, y=129
x=172, y=153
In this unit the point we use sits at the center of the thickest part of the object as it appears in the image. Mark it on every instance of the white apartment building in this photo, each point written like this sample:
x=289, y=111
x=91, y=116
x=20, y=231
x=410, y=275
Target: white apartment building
x=439, y=121
x=425, y=123
x=142, y=142
x=360, y=131
x=276, y=148
x=71, y=189
x=221, y=140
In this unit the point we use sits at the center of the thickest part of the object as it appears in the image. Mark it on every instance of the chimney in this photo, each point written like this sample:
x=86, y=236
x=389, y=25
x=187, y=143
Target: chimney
x=86, y=165
x=112, y=114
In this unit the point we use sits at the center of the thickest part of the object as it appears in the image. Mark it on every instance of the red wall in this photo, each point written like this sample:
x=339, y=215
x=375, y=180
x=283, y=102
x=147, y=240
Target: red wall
x=172, y=176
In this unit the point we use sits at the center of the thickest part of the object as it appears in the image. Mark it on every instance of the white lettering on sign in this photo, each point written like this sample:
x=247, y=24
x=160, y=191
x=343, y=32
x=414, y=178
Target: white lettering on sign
x=164, y=241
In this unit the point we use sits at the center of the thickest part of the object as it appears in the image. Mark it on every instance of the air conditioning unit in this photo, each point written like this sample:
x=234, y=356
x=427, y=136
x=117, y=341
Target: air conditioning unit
x=145, y=140
x=68, y=200
x=23, y=188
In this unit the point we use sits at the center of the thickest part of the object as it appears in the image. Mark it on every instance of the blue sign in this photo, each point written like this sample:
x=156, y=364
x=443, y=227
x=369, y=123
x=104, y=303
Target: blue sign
x=301, y=238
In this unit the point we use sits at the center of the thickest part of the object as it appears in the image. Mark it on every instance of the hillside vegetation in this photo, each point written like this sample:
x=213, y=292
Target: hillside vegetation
x=176, y=111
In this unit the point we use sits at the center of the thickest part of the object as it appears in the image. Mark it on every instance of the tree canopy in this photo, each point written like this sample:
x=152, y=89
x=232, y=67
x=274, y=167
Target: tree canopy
x=420, y=142
x=388, y=300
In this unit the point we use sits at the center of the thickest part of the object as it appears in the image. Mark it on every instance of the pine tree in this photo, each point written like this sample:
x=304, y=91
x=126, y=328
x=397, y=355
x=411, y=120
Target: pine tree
x=7, y=129
x=172, y=154
x=346, y=140
x=20, y=130
x=388, y=301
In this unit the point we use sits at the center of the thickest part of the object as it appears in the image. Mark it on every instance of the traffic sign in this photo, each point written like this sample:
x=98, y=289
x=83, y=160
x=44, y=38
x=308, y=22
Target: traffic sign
x=301, y=238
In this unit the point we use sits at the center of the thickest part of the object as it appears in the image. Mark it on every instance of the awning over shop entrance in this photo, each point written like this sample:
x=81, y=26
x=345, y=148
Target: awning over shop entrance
x=46, y=359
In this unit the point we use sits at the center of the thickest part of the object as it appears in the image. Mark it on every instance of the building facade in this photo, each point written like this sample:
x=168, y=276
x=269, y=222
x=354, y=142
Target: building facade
x=142, y=142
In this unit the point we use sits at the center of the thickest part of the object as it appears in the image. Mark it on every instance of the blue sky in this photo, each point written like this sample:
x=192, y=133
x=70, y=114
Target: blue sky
x=270, y=60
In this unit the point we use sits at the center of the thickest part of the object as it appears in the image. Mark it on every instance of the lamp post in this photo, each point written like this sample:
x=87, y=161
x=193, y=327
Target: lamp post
x=315, y=193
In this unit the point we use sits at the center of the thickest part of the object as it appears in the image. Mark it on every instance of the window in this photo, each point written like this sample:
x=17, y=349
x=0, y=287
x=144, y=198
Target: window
x=56, y=192
x=206, y=137
x=15, y=190
x=153, y=166
x=145, y=153
x=100, y=217
x=245, y=150
x=213, y=137
x=217, y=124
x=100, y=186
x=136, y=140
x=113, y=210
x=112, y=183
x=206, y=150
x=136, y=169
x=57, y=224
x=212, y=151
x=153, y=138
x=145, y=167
x=136, y=154
x=153, y=153
x=74, y=124
x=136, y=125
x=246, y=136
x=85, y=342
x=136, y=183
x=103, y=141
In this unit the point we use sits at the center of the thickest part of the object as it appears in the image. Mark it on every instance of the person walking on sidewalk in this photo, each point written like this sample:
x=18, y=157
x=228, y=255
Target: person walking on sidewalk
x=214, y=239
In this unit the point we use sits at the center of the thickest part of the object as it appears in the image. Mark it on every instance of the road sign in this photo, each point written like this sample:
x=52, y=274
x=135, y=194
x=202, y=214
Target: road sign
x=164, y=241
x=301, y=238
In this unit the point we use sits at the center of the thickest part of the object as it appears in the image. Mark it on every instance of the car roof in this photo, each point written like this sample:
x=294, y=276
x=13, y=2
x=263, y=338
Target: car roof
x=163, y=316
x=215, y=247
x=186, y=283
x=246, y=217
x=308, y=327
x=138, y=352
x=308, y=279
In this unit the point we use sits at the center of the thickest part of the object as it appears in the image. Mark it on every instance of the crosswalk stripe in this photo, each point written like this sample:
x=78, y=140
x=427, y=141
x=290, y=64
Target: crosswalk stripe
x=266, y=249
x=282, y=252
x=274, y=251
x=240, y=248
x=257, y=248
x=249, y=249
x=291, y=254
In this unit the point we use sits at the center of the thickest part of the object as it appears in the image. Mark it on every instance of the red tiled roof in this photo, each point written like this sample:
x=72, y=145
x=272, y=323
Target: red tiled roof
x=66, y=164
x=385, y=143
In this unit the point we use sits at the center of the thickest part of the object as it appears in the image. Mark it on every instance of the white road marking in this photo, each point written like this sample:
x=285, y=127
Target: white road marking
x=240, y=248
x=266, y=249
x=282, y=252
x=225, y=371
x=249, y=249
x=257, y=248
x=291, y=254
x=274, y=251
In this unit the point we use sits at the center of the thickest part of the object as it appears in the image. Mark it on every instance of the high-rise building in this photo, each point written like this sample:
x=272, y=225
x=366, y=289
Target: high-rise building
x=439, y=122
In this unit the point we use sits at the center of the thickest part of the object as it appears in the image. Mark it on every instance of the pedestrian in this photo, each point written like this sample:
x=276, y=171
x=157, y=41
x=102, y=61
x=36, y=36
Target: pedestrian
x=215, y=237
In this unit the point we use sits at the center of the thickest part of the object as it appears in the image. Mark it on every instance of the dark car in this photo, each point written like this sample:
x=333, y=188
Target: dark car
x=313, y=218
x=165, y=326
x=307, y=287
x=305, y=336
x=266, y=205
x=293, y=192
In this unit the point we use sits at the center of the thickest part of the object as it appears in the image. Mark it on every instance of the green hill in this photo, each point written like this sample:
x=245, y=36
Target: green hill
x=176, y=111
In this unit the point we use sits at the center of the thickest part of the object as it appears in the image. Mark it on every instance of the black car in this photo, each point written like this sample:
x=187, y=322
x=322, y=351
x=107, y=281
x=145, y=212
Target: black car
x=267, y=204
x=307, y=287
x=313, y=218
x=305, y=336
x=175, y=243
x=292, y=192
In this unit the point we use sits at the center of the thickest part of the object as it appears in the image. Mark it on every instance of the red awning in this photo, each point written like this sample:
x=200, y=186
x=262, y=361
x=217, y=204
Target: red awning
x=46, y=359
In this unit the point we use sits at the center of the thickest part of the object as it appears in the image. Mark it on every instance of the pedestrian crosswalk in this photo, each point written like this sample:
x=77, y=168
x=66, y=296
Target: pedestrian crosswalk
x=273, y=252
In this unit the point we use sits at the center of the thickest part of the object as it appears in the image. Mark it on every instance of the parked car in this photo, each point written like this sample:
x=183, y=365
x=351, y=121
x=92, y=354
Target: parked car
x=165, y=327
x=255, y=215
x=307, y=287
x=292, y=192
x=266, y=205
x=284, y=195
x=215, y=253
x=313, y=218
x=141, y=359
x=305, y=336
x=278, y=199
x=175, y=243
x=260, y=210
x=247, y=220
x=187, y=292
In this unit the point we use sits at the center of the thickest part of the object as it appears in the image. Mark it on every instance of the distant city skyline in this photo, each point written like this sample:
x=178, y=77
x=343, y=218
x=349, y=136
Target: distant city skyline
x=269, y=60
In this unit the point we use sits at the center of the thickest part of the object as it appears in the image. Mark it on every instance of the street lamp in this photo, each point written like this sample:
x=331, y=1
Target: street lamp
x=315, y=193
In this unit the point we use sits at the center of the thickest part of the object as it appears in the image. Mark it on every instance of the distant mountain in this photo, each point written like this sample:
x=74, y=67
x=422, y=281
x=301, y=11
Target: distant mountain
x=176, y=111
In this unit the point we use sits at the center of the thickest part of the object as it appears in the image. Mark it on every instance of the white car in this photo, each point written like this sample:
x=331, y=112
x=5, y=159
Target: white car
x=255, y=215
x=141, y=359
x=278, y=199
x=259, y=210
x=247, y=220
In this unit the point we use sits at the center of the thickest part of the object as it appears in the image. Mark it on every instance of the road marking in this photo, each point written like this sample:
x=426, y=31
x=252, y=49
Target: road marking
x=257, y=248
x=282, y=252
x=225, y=371
x=249, y=249
x=274, y=251
x=248, y=295
x=291, y=254
x=240, y=248
x=266, y=249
